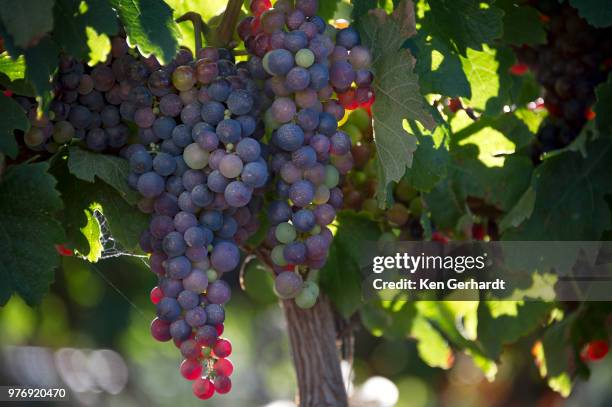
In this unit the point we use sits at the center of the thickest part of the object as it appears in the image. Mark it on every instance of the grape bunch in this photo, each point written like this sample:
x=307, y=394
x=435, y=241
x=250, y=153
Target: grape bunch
x=200, y=169
x=92, y=104
x=573, y=61
x=304, y=63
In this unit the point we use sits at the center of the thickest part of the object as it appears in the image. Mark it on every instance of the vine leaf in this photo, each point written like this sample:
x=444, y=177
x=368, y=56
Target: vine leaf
x=597, y=12
x=465, y=23
x=27, y=20
x=341, y=277
x=603, y=107
x=570, y=196
x=41, y=66
x=504, y=322
x=398, y=96
x=81, y=28
x=28, y=232
x=429, y=166
x=149, y=25
x=13, y=117
x=113, y=170
x=81, y=197
x=522, y=24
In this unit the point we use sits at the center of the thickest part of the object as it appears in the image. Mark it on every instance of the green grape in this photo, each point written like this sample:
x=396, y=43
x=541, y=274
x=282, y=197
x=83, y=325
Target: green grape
x=360, y=119
x=404, y=191
x=277, y=256
x=321, y=195
x=195, y=157
x=398, y=214
x=332, y=176
x=307, y=298
x=183, y=78
x=304, y=58
x=212, y=275
x=371, y=206
x=285, y=233
x=34, y=137
x=353, y=132
x=416, y=207
x=63, y=132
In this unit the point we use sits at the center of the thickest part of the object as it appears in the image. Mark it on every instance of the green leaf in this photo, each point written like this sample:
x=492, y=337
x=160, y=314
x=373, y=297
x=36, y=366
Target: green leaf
x=570, y=197
x=100, y=46
x=432, y=347
x=341, y=277
x=41, y=63
x=555, y=354
x=81, y=198
x=391, y=319
x=603, y=107
x=12, y=68
x=445, y=205
x=13, y=117
x=398, y=97
x=113, y=170
x=522, y=24
x=504, y=322
x=81, y=28
x=149, y=25
x=481, y=70
x=521, y=211
x=465, y=23
x=27, y=20
x=429, y=165
x=439, y=67
x=28, y=232
x=597, y=12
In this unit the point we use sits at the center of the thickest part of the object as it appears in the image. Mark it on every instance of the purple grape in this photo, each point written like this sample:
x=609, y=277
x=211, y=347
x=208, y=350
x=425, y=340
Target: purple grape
x=196, y=281
x=215, y=314
x=178, y=267
x=179, y=329
x=218, y=292
x=225, y=257
x=168, y=309
x=196, y=317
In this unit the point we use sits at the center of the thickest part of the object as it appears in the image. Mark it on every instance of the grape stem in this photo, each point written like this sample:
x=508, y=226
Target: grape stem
x=199, y=27
x=225, y=33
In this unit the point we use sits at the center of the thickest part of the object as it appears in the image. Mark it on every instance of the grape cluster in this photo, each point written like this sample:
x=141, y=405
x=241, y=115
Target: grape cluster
x=93, y=104
x=573, y=61
x=304, y=62
x=200, y=169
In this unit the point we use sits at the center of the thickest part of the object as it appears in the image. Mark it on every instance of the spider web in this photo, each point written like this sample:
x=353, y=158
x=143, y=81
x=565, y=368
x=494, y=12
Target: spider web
x=111, y=247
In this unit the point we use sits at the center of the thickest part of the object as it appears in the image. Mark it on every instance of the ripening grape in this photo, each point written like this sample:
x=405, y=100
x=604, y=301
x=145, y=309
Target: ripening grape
x=197, y=168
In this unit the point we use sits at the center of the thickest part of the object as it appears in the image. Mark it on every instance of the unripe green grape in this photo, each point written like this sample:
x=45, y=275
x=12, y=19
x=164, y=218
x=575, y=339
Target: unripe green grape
x=404, y=191
x=332, y=176
x=183, y=78
x=360, y=118
x=304, y=58
x=398, y=214
x=416, y=207
x=212, y=275
x=307, y=298
x=321, y=195
x=277, y=255
x=371, y=206
x=34, y=137
x=285, y=233
x=195, y=157
x=63, y=132
x=353, y=132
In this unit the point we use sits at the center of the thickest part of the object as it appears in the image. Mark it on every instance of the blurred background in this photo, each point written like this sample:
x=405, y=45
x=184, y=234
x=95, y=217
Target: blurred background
x=91, y=336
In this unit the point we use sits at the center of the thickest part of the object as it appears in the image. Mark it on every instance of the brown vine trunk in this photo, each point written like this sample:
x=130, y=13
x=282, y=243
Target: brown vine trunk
x=312, y=334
